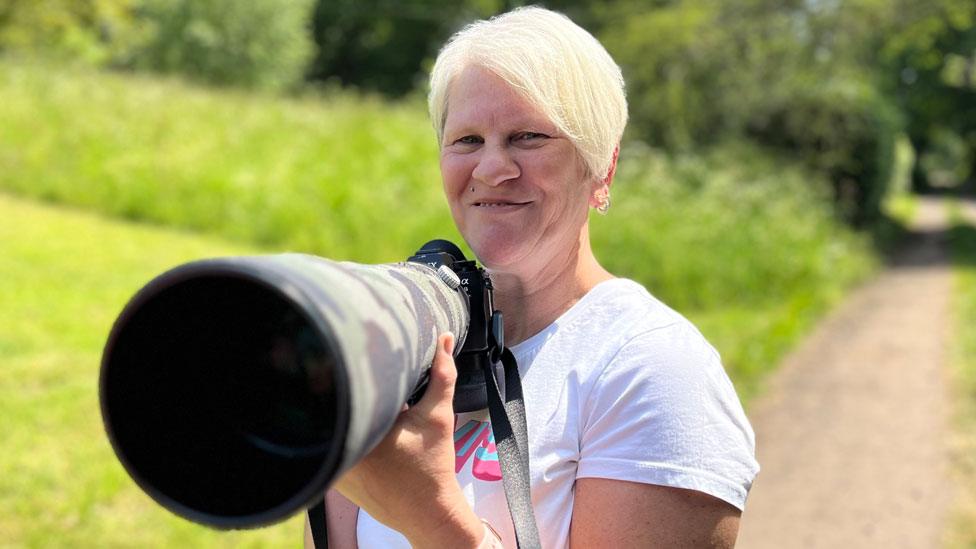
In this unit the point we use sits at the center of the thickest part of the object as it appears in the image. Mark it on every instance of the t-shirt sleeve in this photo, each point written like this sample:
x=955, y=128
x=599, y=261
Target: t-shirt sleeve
x=663, y=411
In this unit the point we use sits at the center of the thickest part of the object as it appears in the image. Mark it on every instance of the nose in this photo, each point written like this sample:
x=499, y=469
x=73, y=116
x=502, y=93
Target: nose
x=495, y=166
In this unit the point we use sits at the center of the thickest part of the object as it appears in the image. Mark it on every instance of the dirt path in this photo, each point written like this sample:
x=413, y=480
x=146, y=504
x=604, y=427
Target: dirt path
x=851, y=432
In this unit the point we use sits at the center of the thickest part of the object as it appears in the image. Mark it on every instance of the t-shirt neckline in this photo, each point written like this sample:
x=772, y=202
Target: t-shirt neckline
x=569, y=315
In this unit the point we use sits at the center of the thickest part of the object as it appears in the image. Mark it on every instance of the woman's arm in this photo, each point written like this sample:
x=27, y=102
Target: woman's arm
x=341, y=520
x=617, y=513
x=666, y=456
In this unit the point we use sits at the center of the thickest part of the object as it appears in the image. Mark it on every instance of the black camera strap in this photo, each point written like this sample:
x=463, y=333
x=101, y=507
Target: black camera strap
x=512, y=442
x=317, y=524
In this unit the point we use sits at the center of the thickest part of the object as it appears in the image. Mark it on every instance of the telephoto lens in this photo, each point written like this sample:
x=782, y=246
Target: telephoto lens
x=234, y=390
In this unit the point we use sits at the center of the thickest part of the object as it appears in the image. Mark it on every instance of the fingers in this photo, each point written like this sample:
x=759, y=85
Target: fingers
x=443, y=374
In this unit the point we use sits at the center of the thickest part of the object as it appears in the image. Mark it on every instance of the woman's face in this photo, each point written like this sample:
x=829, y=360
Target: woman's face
x=516, y=186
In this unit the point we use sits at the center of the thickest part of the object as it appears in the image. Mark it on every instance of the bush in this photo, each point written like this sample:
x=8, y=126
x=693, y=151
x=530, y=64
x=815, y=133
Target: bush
x=254, y=43
x=843, y=129
x=733, y=226
x=378, y=45
x=700, y=73
x=93, y=31
x=697, y=71
x=947, y=161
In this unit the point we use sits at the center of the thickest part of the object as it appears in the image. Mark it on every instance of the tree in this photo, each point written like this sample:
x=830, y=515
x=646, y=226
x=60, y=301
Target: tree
x=382, y=45
x=254, y=43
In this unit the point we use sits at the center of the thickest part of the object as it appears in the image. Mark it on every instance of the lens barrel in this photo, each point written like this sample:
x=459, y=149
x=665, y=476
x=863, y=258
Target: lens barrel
x=234, y=390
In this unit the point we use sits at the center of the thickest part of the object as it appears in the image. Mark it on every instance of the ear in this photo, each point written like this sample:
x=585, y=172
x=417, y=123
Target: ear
x=602, y=186
x=608, y=180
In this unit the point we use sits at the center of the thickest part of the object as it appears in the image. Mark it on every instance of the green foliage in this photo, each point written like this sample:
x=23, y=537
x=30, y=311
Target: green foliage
x=740, y=228
x=831, y=83
x=700, y=72
x=66, y=275
x=745, y=244
x=924, y=59
x=383, y=45
x=697, y=70
x=339, y=175
x=670, y=75
x=375, y=45
x=257, y=43
x=843, y=129
x=947, y=160
x=90, y=30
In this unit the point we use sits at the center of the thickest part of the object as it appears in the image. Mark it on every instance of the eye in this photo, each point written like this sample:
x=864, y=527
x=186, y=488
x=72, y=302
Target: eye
x=468, y=140
x=529, y=136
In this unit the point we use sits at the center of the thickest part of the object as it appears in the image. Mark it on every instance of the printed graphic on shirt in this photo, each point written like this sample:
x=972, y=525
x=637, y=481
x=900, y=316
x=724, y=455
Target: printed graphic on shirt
x=476, y=438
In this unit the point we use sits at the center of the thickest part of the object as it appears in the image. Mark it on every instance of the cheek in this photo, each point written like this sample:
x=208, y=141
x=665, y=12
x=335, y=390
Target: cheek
x=562, y=179
x=455, y=173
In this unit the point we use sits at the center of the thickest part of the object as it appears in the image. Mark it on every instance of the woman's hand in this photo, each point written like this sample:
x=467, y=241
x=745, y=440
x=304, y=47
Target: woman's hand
x=407, y=482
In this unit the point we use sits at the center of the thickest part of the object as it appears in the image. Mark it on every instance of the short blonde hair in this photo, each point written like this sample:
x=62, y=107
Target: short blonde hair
x=557, y=65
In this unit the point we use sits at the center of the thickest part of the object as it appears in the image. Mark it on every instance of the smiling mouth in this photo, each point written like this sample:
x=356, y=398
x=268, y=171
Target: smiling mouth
x=498, y=204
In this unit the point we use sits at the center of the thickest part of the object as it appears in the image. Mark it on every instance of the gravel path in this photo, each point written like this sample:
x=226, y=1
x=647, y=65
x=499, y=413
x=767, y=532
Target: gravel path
x=852, y=430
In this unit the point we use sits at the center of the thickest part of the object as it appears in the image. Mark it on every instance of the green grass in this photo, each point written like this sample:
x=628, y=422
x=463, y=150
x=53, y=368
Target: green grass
x=742, y=244
x=66, y=275
x=962, y=531
x=350, y=176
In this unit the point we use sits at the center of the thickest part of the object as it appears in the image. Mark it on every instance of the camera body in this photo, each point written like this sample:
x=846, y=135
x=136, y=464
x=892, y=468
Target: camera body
x=485, y=339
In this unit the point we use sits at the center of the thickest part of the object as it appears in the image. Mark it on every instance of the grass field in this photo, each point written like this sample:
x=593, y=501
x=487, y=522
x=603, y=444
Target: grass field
x=742, y=244
x=66, y=275
x=320, y=173
x=962, y=533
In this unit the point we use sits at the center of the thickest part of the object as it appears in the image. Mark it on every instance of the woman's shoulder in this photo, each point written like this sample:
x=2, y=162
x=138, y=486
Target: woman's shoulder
x=617, y=323
x=639, y=336
x=627, y=310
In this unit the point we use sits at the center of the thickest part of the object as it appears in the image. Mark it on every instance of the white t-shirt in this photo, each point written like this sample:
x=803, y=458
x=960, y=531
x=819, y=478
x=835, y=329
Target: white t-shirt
x=620, y=387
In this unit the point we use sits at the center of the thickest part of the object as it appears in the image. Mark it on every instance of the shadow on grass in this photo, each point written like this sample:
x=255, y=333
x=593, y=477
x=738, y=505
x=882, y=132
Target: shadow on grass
x=888, y=234
x=962, y=241
x=962, y=231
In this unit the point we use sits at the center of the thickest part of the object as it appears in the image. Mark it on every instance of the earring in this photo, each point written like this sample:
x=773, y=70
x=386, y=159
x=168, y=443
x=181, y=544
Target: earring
x=603, y=200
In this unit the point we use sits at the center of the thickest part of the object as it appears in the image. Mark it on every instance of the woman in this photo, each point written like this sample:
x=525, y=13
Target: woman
x=637, y=438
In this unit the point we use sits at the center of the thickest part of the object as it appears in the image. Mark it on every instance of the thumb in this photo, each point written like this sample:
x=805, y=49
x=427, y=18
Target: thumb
x=443, y=374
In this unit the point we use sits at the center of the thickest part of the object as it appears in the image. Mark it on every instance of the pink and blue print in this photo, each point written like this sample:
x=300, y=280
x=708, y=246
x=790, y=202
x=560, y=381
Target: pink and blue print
x=476, y=438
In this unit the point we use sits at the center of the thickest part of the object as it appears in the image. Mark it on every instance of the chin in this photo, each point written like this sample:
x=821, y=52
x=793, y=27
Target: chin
x=499, y=254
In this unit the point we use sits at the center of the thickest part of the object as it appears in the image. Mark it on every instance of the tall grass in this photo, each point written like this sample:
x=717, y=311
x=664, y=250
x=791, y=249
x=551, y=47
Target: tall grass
x=65, y=276
x=737, y=241
x=962, y=241
x=343, y=175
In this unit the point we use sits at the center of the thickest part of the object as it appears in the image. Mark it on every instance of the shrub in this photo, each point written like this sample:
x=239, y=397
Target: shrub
x=733, y=226
x=841, y=128
x=93, y=31
x=948, y=159
x=255, y=43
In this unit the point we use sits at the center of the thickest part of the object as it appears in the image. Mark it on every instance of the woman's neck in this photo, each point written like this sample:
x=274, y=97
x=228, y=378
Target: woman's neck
x=531, y=300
